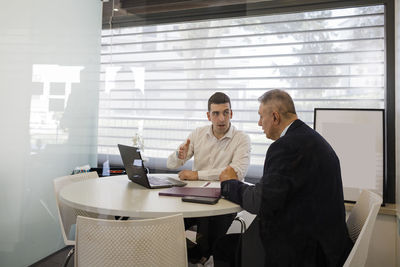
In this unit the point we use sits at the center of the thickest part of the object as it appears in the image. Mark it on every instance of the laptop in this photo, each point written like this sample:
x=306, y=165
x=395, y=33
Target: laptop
x=137, y=173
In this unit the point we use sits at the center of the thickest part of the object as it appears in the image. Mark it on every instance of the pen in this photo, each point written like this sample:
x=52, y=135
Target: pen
x=206, y=184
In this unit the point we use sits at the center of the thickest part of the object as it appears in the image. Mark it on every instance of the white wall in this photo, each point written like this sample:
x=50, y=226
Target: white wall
x=49, y=64
x=382, y=248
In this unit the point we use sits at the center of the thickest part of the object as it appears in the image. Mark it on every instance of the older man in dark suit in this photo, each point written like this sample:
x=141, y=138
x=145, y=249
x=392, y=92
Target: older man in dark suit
x=299, y=199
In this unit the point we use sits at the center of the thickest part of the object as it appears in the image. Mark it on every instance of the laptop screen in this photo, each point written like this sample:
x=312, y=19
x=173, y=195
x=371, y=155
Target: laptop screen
x=137, y=173
x=133, y=164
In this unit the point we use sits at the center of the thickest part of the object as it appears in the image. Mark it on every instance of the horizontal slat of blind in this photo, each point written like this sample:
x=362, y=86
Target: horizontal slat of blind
x=310, y=66
x=215, y=33
x=258, y=90
x=130, y=49
x=231, y=23
x=256, y=41
x=156, y=80
x=274, y=56
x=261, y=60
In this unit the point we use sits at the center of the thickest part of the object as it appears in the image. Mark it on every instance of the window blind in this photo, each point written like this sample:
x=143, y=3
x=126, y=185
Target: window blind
x=156, y=80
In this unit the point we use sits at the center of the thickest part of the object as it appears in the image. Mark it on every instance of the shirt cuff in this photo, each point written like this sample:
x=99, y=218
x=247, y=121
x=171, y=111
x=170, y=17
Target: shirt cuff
x=203, y=175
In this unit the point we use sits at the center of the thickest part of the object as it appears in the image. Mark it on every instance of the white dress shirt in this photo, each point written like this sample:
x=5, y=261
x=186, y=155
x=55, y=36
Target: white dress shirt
x=212, y=155
x=285, y=130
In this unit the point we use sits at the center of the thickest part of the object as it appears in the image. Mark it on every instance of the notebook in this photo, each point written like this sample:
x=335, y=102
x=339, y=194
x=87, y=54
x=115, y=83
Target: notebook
x=137, y=173
x=192, y=191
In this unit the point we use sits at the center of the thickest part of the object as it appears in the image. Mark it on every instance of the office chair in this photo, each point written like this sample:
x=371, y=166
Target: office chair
x=66, y=214
x=239, y=225
x=360, y=224
x=244, y=219
x=149, y=242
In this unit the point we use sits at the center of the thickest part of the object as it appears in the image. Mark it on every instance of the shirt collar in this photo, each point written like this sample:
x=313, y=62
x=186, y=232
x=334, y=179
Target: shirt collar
x=229, y=133
x=285, y=130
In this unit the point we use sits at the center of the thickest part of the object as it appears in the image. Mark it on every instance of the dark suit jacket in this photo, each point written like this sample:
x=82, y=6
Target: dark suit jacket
x=299, y=201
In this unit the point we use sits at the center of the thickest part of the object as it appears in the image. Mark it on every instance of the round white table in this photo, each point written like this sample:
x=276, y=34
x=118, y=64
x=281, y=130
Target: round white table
x=118, y=196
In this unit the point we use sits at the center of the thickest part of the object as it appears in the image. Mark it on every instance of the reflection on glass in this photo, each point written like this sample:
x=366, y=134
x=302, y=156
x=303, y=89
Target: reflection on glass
x=49, y=102
x=138, y=76
x=110, y=77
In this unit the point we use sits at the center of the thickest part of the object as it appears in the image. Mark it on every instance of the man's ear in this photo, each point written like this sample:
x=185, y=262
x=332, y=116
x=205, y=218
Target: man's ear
x=276, y=117
x=231, y=113
x=208, y=116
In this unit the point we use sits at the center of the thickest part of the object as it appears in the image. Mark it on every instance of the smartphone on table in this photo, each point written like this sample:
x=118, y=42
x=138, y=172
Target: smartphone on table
x=202, y=200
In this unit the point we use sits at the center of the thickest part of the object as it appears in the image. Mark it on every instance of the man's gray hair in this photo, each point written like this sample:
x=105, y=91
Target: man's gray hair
x=281, y=99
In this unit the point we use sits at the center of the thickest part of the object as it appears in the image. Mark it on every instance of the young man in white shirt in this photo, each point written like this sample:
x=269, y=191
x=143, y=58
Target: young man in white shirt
x=214, y=148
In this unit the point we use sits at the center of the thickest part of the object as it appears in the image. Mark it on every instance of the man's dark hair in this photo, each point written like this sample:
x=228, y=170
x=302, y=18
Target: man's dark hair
x=219, y=98
x=283, y=99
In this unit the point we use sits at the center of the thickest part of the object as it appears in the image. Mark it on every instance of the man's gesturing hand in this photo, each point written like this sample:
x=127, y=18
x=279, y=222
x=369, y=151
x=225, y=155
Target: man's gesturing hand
x=183, y=150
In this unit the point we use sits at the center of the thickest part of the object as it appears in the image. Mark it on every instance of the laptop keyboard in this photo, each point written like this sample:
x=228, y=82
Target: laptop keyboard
x=159, y=181
x=176, y=182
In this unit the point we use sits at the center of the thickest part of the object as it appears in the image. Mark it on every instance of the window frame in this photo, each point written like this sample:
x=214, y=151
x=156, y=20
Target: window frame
x=286, y=6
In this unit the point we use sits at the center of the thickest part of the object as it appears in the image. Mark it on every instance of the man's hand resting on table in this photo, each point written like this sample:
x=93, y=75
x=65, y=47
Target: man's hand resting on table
x=228, y=174
x=188, y=175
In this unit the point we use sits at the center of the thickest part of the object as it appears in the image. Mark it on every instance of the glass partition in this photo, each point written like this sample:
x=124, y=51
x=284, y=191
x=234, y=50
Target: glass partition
x=48, y=111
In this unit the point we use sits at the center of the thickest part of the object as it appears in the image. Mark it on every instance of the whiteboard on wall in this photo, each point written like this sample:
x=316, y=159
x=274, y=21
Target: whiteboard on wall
x=357, y=136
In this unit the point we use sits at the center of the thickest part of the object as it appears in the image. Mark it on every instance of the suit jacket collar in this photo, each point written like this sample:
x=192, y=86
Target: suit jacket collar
x=294, y=125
